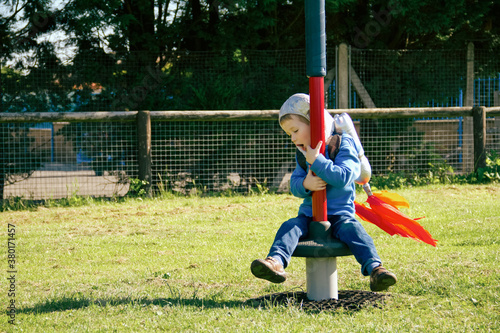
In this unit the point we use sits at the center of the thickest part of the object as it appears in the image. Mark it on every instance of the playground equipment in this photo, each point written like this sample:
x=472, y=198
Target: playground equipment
x=320, y=250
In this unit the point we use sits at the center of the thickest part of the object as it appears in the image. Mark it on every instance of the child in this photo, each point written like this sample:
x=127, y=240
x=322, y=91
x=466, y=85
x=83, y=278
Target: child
x=337, y=177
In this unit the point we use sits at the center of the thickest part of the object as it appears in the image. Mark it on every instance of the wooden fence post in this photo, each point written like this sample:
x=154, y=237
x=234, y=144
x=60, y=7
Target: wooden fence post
x=144, y=149
x=343, y=77
x=479, y=121
x=468, y=146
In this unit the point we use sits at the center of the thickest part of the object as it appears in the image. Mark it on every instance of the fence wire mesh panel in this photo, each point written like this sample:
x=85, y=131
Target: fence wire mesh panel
x=243, y=80
x=217, y=156
x=58, y=160
x=248, y=79
x=411, y=146
x=487, y=78
x=493, y=135
x=415, y=78
x=63, y=159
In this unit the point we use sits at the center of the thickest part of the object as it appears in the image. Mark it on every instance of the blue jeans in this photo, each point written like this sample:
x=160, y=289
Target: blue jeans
x=344, y=227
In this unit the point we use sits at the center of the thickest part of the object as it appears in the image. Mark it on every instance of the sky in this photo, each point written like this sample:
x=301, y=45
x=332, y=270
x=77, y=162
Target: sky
x=64, y=49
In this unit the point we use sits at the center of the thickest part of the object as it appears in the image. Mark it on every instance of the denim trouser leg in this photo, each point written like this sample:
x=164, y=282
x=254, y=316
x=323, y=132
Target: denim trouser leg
x=344, y=227
x=350, y=231
x=287, y=238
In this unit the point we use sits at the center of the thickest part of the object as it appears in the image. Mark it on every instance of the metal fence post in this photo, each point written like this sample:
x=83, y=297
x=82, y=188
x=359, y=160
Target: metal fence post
x=479, y=121
x=144, y=149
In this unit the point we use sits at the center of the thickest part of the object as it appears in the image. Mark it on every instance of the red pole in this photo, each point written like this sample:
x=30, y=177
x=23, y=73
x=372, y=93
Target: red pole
x=317, y=118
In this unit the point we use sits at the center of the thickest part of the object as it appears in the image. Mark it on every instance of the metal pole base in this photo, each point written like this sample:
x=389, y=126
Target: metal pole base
x=321, y=275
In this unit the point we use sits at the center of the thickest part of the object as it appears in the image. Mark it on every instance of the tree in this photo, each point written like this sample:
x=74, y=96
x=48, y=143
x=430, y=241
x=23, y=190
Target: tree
x=204, y=54
x=412, y=24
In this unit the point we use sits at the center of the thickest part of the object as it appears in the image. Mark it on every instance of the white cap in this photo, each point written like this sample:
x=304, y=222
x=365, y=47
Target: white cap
x=296, y=104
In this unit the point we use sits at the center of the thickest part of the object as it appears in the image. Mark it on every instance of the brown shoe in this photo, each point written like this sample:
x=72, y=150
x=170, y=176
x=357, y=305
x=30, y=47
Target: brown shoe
x=268, y=269
x=381, y=279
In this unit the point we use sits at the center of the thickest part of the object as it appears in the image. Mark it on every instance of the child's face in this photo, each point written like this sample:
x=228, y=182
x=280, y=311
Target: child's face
x=298, y=131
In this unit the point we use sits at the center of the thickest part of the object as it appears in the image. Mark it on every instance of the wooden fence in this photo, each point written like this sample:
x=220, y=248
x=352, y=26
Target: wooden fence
x=142, y=120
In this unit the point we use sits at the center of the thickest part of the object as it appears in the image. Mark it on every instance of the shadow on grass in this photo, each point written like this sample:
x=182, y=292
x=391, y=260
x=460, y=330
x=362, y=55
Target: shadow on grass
x=348, y=300
x=70, y=303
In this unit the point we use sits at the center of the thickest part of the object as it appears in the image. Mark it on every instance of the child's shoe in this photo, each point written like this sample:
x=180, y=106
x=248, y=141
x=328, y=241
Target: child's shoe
x=269, y=269
x=381, y=279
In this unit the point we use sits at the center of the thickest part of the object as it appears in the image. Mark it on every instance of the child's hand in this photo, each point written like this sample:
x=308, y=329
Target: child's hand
x=311, y=153
x=313, y=183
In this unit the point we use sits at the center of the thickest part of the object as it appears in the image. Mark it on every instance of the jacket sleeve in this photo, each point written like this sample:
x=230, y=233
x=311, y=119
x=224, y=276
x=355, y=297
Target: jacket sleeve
x=296, y=182
x=344, y=170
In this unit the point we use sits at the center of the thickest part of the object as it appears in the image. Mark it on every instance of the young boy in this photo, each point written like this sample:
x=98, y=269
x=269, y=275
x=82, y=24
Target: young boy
x=337, y=177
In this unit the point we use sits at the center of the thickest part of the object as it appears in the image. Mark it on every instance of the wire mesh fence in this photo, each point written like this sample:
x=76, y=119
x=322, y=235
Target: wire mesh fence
x=418, y=78
x=100, y=158
x=243, y=80
x=217, y=156
x=59, y=160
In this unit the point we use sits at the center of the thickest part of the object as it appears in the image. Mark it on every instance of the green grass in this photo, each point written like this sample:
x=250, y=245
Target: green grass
x=182, y=264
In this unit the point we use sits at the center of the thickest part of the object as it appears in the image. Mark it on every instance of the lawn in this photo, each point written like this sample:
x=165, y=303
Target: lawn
x=183, y=264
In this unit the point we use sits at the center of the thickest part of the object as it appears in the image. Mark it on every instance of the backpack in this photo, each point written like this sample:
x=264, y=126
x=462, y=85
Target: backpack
x=332, y=144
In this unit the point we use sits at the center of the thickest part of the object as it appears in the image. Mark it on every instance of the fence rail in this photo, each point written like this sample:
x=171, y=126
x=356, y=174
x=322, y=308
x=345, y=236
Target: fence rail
x=227, y=115
x=108, y=153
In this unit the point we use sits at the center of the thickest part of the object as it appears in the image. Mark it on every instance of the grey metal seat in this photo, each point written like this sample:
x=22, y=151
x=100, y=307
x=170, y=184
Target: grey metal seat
x=316, y=248
x=320, y=244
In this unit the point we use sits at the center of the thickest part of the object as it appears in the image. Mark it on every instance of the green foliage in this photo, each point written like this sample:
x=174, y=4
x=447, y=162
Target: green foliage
x=220, y=94
x=261, y=189
x=23, y=204
x=16, y=203
x=73, y=200
x=488, y=174
x=146, y=58
x=225, y=26
x=137, y=188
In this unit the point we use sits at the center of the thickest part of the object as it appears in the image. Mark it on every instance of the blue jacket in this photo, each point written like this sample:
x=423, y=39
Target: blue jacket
x=339, y=176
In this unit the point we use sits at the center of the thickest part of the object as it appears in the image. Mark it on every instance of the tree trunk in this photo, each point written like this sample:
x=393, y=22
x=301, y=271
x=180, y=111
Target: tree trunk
x=193, y=41
x=213, y=19
x=143, y=51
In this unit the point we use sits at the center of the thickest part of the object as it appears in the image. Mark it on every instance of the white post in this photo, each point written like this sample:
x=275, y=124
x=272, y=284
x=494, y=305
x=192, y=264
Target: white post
x=321, y=275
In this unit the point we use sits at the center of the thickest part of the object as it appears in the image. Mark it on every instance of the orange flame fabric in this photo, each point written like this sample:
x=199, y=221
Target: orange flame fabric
x=383, y=212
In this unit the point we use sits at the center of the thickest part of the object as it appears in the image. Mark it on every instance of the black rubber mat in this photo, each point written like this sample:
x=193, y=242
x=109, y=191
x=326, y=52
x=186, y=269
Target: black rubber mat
x=348, y=299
